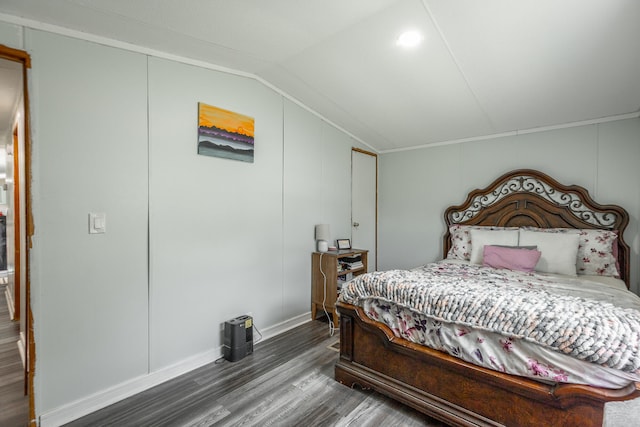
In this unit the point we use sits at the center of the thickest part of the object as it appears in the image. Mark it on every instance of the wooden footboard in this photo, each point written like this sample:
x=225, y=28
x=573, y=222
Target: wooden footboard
x=456, y=392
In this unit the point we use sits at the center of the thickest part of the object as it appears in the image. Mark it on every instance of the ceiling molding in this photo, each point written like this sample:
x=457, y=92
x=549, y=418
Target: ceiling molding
x=517, y=132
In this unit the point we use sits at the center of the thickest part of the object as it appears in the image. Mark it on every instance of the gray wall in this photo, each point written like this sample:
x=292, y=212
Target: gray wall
x=191, y=240
x=89, y=302
x=417, y=186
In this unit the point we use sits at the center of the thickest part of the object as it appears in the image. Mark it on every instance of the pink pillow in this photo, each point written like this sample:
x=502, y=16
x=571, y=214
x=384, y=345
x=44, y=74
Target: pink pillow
x=519, y=259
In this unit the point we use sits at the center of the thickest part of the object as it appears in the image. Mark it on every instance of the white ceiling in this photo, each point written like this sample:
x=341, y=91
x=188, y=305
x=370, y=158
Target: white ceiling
x=484, y=68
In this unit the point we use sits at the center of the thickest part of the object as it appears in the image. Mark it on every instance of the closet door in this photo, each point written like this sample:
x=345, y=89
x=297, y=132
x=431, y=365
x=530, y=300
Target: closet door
x=364, y=203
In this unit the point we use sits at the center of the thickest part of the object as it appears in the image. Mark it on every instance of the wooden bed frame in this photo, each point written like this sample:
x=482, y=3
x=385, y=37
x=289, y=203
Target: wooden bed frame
x=462, y=394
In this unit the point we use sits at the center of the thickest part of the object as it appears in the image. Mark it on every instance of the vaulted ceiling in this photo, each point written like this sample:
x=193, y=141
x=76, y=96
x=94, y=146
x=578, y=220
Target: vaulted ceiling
x=484, y=67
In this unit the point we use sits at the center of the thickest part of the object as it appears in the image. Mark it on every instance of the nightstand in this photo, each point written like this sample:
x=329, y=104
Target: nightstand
x=332, y=264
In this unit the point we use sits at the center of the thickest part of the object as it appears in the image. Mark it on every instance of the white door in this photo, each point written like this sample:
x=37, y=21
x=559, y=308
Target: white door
x=364, y=203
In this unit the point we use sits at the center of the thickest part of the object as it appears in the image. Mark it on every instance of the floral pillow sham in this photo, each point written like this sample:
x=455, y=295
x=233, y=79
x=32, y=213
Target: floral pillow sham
x=597, y=250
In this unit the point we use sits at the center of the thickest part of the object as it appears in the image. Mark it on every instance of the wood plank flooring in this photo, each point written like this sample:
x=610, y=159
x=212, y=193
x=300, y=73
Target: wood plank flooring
x=287, y=381
x=14, y=405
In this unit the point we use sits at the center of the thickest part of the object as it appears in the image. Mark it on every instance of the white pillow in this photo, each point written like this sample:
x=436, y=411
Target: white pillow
x=559, y=250
x=480, y=238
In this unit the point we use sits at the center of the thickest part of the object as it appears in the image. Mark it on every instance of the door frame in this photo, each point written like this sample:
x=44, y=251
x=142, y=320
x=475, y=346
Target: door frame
x=23, y=57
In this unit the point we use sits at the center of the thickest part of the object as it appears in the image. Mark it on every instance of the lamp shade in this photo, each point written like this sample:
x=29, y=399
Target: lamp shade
x=322, y=232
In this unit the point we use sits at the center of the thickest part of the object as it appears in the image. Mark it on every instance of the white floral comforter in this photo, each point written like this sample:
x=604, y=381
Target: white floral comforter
x=573, y=331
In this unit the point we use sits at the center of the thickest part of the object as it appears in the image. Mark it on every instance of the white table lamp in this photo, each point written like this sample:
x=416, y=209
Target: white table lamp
x=322, y=237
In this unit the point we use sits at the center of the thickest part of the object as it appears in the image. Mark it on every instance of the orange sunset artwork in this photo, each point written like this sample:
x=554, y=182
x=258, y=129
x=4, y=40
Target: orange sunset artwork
x=223, y=133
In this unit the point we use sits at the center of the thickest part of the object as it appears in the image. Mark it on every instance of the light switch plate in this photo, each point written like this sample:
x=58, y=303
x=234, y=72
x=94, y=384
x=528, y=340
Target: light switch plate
x=97, y=223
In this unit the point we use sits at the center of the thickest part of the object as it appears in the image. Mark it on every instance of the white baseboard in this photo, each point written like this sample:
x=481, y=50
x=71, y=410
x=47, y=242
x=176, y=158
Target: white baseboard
x=279, y=328
x=104, y=398
x=22, y=348
x=10, y=303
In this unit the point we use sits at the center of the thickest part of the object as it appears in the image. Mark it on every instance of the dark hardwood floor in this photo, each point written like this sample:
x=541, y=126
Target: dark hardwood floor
x=287, y=381
x=14, y=405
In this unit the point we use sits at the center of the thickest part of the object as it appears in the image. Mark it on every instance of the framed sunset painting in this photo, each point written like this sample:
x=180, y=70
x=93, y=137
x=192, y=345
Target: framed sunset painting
x=223, y=133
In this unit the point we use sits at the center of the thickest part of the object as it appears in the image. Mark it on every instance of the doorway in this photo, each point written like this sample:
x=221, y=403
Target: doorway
x=15, y=145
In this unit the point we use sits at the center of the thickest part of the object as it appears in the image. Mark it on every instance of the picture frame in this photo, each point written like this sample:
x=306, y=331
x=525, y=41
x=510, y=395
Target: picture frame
x=225, y=134
x=343, y=243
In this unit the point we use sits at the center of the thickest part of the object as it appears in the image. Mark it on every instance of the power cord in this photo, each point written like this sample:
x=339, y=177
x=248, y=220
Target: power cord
x=258, y=331
x=332, y=326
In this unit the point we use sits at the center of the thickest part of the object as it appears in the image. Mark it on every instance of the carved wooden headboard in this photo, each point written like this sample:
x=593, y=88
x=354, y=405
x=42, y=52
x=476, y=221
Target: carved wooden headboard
x=526, y=197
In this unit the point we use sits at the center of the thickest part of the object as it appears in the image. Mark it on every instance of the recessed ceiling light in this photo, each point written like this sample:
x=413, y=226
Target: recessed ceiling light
x=409, y=39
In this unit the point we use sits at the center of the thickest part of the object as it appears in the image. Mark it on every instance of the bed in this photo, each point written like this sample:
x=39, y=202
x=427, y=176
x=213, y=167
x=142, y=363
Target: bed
x=480, y=391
